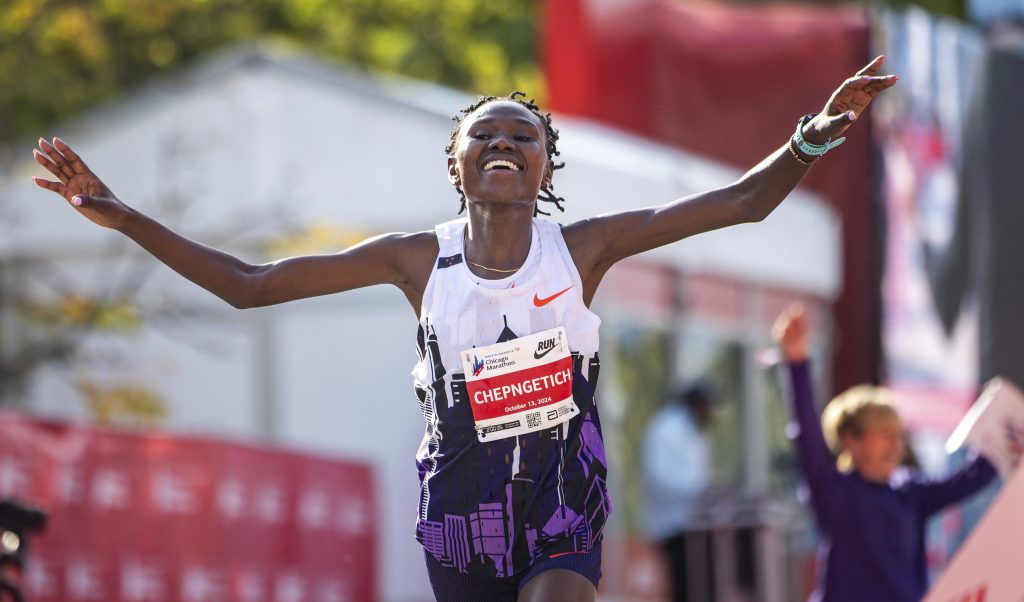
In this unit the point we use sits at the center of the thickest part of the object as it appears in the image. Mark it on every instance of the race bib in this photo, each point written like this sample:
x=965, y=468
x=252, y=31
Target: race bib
x=520, y=386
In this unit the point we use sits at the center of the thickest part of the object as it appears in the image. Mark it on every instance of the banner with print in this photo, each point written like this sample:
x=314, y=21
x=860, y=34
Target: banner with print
x=154, y=518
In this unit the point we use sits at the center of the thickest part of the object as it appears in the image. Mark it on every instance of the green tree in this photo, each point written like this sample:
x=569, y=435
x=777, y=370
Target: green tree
x=58, y=57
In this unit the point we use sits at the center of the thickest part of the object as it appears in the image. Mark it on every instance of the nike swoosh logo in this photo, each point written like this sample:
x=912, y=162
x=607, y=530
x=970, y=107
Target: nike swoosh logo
x=537, y=355
x=542, y=302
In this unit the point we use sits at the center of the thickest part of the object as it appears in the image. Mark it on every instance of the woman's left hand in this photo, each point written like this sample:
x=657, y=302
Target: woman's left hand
x=847, y=103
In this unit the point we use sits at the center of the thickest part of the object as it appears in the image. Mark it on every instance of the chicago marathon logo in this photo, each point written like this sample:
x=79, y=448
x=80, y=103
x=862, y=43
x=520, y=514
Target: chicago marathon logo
x=478, y=366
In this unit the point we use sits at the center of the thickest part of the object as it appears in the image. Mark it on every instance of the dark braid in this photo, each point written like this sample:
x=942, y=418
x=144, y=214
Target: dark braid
x=550, y=138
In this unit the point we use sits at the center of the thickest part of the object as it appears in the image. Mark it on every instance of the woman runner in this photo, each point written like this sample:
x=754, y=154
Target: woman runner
x=512, y=465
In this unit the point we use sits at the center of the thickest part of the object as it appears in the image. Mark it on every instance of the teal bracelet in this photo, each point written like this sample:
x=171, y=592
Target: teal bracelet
x=807, y=148
x=793, y=152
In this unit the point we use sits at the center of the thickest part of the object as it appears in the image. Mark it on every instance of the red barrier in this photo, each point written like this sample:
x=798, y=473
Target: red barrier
x=152, y=518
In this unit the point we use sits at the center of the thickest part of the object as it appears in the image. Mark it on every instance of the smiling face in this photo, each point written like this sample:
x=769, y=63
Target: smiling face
x=500, y=156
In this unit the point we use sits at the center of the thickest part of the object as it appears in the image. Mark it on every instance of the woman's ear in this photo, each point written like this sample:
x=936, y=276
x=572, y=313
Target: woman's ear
x=549, y=171
x=453, y=172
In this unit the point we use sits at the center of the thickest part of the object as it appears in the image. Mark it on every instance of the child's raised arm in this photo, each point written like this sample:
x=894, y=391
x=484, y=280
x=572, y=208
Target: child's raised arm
x=791, y=333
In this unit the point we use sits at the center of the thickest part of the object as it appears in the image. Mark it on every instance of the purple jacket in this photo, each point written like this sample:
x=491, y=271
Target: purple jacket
x=872, y=536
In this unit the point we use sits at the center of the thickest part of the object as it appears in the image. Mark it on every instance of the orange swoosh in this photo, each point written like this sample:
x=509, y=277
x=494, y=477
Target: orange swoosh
x=542, y=302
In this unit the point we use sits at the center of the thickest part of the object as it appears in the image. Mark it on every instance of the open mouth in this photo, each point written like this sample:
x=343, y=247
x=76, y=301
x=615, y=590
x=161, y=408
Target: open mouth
x=501, y=165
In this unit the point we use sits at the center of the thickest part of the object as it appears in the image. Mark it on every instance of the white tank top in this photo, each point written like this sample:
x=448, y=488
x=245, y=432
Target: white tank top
x=540, y=493
x=465, y=311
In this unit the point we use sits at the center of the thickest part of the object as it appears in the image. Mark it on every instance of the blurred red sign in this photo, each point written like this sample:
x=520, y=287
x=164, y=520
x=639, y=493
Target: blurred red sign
x=149, y=518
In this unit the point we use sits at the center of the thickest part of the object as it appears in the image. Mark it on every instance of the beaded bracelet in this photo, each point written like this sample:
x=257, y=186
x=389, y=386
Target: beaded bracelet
x=796, y=156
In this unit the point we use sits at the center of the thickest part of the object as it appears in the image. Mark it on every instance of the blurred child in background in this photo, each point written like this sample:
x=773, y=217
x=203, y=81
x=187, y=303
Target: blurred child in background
x=870, y=510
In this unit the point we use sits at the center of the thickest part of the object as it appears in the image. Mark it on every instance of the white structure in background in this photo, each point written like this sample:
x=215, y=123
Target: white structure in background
x=258, y=140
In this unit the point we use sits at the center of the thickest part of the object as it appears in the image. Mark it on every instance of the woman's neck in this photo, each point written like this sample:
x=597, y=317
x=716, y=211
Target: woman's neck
x=499, y=238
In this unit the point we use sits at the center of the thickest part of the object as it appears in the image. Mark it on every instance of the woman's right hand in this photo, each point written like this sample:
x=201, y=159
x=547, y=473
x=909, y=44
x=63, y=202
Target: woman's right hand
x=79, y=186
x=791, y=333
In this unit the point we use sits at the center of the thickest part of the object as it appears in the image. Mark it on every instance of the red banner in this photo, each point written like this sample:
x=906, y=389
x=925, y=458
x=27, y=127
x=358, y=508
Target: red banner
x=153, y=518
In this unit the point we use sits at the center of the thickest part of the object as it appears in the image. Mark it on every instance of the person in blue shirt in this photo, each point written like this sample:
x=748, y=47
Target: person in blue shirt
x=870, y=510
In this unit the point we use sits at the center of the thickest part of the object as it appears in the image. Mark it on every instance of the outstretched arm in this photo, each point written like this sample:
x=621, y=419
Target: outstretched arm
x=599, y=242
x=387, y=259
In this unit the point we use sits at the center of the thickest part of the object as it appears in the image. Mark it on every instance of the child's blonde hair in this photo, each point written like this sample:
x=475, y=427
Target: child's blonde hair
x=850, y=413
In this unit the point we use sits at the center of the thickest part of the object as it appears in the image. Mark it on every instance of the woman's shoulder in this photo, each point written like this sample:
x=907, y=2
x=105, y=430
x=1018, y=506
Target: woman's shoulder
x=577, y=232
x=413, y=253
x=422, y=238
x=401, y=244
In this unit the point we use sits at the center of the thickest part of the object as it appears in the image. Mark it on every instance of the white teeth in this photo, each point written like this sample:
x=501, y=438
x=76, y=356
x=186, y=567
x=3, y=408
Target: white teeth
x=500, y=163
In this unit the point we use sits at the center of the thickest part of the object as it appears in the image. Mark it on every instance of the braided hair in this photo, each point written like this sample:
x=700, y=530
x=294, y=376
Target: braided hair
x=550, y=138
